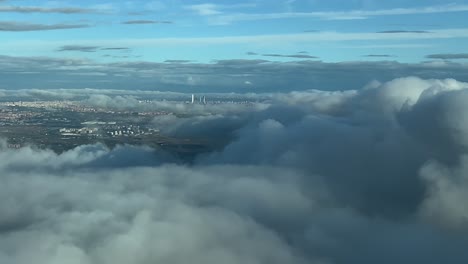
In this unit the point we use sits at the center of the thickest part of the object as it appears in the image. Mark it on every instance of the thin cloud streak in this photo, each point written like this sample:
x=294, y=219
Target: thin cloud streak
x=35, y=9
x=78, y=48
x=390, y=46
x=379, y=56
x=449, y=56
x=404, y=31
x=116, y=48
x=208, y=9
x=341, y=15
x=296, y=56
x=19, y=26
x=82, y=48
x=143, y=22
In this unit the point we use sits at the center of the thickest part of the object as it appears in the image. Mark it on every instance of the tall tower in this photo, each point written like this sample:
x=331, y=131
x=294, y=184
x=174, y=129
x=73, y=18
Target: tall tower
x=193, y=98
x=204, y=100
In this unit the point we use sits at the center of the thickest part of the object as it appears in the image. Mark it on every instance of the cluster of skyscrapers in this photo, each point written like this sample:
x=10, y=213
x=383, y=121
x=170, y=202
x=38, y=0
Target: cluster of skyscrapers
x=201, y=99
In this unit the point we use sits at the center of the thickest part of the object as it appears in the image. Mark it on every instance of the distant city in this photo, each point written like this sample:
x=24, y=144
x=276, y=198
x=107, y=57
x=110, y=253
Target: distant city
x=61, y=125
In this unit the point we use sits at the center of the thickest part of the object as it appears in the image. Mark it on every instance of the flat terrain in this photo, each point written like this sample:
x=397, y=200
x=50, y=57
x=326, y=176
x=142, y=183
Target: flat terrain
x=65, y=129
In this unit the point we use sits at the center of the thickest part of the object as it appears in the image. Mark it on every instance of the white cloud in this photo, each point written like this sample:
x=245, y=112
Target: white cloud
x=205, y=9
x=209, y=9
x=341, y=15
x=382, y=169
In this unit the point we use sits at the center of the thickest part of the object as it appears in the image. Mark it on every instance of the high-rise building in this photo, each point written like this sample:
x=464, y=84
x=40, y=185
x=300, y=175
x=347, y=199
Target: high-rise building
x=193, y=98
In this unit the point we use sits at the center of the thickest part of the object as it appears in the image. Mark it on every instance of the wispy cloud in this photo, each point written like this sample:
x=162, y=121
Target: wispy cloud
x=119, y=56
x=205, y=9
x=35, y=9
x=448, y=56
x=379, y=56
x=84, y=48
x=79, y=48
x=19, y=26
x=240, y=62
x=295, y=56
x=209, y=9
x=391, y=46
x=143, y=22
x=339, y=15
x=116, y=48
x=299, y=55
x=177, y=61
x=404, y=31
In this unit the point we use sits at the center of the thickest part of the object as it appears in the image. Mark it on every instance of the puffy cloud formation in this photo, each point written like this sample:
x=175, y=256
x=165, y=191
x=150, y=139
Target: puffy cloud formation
x=376, y=175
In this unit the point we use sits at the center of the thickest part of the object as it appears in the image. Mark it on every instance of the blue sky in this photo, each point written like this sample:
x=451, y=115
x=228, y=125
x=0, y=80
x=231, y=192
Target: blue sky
x=201, y=31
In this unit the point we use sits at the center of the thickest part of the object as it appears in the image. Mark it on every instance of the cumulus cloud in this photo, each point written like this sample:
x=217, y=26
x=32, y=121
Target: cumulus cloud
x=217, y=129
x=82, y=217
x=299, y=181
x=376, y=175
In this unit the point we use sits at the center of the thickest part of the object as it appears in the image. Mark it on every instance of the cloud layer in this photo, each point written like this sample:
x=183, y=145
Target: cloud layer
x=448, y=56
x=240, y=75
x=376, y=175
